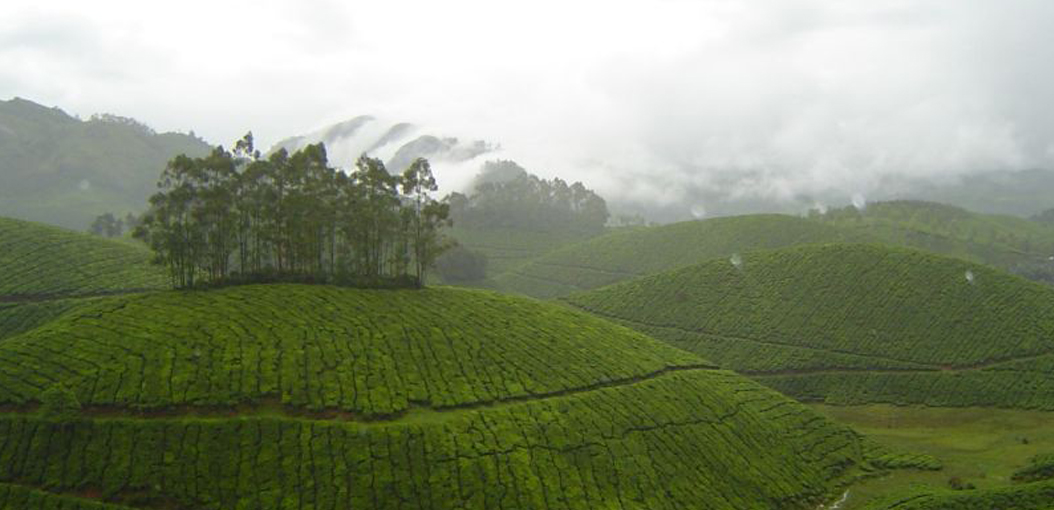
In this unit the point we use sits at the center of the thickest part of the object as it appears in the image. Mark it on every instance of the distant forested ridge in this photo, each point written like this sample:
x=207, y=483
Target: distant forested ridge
x=62, y=170
x=237, y=216
x=505, y=195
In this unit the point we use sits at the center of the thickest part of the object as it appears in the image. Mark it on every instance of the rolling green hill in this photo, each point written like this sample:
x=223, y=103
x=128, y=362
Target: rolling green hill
x=641, y=251
x=61, y=170
x=292, y=396
x=849, y=324
x=1007, y=242
x=1015, y=244
x=43, y=261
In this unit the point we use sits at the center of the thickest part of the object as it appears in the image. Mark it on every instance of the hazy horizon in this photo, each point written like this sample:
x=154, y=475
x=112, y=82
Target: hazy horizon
x=644, y=101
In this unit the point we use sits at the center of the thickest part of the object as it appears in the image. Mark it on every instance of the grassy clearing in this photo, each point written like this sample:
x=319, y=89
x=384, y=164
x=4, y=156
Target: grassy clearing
x=981, y=446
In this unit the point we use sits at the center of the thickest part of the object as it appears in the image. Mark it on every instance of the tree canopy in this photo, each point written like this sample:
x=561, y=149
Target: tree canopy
x=507, y=196
x=239, y=216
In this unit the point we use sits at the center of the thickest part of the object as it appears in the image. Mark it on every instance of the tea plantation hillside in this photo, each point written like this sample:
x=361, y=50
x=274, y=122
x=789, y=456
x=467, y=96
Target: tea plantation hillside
x=627, y=254
x=850, y=324
x=291, y=396
x=38, y=261
x=1017, y=244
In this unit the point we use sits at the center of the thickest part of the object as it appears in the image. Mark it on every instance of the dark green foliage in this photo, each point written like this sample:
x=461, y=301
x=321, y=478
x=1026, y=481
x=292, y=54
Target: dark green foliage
x=19, y=497
x=291, y=396
x=956, y=483
x=40, y=260
x=505, y=196
x=106, y=225
x=511, y=216
x=460, y=264
x=851, y=324
x=1040, y=468
x=17, y=318
x=641, y=251
x=234, y=216
x=907, y=460
x=64, y=171
x=59, y=403
x=1030, y=496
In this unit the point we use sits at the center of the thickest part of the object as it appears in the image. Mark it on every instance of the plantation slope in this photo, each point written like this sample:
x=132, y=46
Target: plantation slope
x=854, y=324
x=627, y=254
x=38, y=260
x=371, y=352
x=1016, y=244
x=17, y=318
x=440, y=399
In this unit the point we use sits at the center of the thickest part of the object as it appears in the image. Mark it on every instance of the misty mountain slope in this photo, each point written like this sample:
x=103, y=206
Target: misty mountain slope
x=60, y=170
x=1016, y=244
x=633, y=252
x=396, y=144
x=295, y=396
x=507, y=249
x=854, y=324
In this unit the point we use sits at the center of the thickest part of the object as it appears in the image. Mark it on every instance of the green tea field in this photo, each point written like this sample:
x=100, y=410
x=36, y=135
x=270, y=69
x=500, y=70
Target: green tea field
x=854, y=324
x=642, y=251
x=42, y=261
x=293, y=396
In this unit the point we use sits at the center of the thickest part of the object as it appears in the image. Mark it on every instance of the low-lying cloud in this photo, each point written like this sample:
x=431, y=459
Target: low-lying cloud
x=673, y=102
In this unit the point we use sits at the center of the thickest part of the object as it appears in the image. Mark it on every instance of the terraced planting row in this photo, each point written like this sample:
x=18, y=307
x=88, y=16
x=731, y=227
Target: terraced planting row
x=373, y=353
x=694, y=439
x=854, y=324
x=40, y=260
x=624, y=255
x=17, y=318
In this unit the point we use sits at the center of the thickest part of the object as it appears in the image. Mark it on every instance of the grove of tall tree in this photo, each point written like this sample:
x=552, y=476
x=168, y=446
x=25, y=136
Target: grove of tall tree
x=238, y=216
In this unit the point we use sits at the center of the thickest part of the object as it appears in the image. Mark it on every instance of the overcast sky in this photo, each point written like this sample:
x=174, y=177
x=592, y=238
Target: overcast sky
x=643, y=98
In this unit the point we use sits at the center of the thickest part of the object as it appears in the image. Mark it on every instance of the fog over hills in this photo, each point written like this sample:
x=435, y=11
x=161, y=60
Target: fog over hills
x=397, y=144
x=712, y=106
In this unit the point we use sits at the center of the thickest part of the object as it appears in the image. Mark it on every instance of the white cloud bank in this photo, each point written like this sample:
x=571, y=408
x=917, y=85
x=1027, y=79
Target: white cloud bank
x=643, y=99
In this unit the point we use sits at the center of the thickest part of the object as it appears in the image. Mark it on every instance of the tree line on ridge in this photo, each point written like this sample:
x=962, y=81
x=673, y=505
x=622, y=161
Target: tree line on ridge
x=235, y=216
